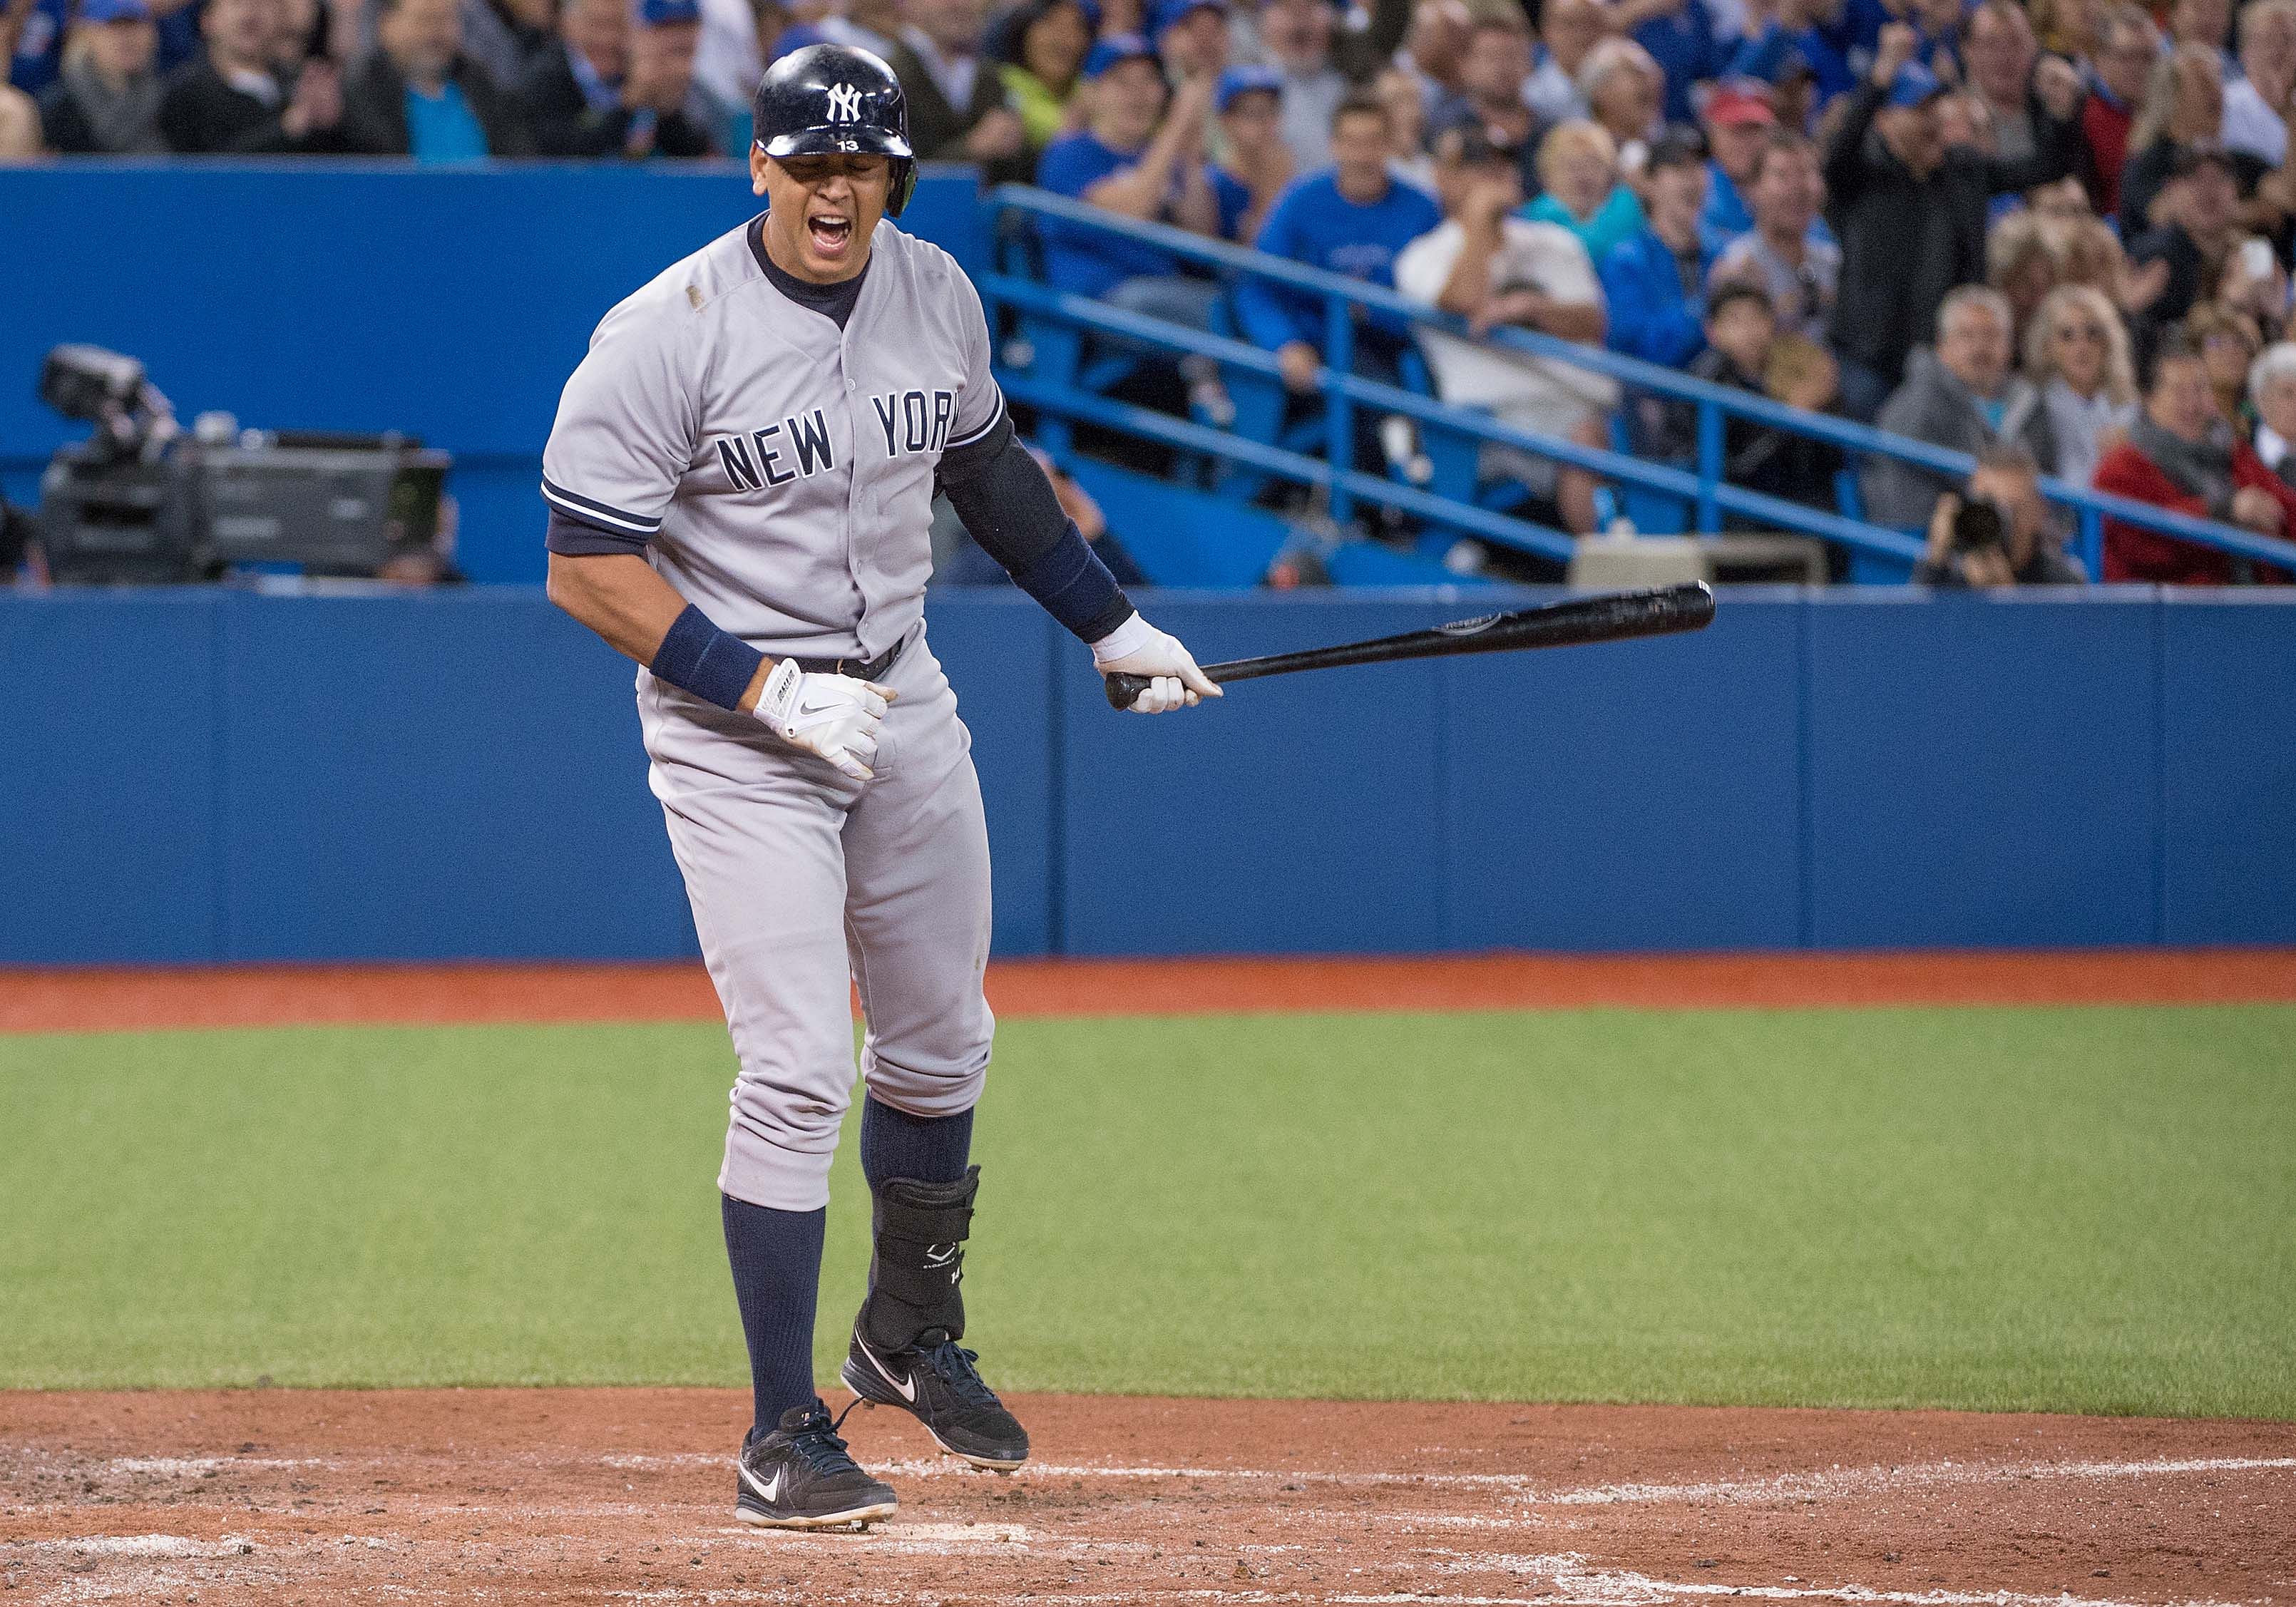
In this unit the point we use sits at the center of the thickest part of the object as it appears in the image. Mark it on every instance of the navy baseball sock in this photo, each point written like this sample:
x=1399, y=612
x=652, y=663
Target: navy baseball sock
x=928, y=1149
x=776, y=1261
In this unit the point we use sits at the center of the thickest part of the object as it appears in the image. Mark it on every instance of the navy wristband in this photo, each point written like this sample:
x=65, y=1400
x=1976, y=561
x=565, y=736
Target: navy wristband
x=713, y=665
x=1073, y=586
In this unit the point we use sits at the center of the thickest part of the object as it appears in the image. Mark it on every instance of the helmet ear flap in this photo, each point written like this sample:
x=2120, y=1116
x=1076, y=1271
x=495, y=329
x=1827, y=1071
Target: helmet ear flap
x=904, y=184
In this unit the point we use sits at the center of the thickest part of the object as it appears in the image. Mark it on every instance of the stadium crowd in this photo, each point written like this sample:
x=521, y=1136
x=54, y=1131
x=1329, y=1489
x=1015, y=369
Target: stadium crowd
x=2055, y=236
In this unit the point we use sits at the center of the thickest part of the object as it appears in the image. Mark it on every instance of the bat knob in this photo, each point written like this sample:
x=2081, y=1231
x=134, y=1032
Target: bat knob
x=1123, y=689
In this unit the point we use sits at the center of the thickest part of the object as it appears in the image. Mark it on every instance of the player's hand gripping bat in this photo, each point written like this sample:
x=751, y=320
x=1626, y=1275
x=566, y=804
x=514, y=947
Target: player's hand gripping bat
x=1612, y=616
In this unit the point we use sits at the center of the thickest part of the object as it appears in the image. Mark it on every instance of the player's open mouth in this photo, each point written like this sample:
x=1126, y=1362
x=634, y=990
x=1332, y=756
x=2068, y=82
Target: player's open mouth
x=829, y=234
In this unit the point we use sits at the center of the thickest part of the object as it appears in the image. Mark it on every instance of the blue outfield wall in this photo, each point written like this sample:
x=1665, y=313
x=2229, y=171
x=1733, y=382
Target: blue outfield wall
x=449, y=303
x=204, y=774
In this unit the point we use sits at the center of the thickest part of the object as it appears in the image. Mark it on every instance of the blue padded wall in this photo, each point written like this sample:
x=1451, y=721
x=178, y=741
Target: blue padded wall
x=2228, y=771
x=1981, y=770
x=208, y=775
x=457, y=777
x=1293, y=818
x=109, y=765
x=1631, y=796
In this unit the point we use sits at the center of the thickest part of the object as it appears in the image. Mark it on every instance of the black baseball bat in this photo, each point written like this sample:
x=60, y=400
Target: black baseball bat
x=1611, y=617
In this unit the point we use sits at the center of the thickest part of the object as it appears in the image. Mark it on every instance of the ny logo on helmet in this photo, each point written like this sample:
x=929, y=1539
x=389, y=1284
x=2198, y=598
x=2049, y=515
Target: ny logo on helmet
x=844, y=104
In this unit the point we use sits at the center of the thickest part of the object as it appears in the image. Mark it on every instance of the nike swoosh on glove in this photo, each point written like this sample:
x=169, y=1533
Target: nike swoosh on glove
x=834, y=717
x=1137, y=647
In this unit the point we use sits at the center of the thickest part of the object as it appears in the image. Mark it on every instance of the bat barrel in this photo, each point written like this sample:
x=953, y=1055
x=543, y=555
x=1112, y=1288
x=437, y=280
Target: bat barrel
x=1611, y=617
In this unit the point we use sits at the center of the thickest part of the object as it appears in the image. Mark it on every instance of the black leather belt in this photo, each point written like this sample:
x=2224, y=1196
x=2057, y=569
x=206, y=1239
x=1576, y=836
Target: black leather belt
x=859, y=669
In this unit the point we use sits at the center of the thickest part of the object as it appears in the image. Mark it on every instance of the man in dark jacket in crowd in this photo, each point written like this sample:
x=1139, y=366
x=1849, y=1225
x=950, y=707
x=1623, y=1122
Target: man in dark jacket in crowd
x=232, y=98
x=958, y=110
x=1910, y=212
x=607, y=90
x=107, y=101
x=416, y=94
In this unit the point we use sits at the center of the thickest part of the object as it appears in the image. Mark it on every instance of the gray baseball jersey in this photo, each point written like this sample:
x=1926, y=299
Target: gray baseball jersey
x=777, y=469
x=782, y=468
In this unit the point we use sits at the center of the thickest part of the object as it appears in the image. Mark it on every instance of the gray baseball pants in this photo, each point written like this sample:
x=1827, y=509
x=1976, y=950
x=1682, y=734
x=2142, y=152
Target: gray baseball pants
x=805, y=883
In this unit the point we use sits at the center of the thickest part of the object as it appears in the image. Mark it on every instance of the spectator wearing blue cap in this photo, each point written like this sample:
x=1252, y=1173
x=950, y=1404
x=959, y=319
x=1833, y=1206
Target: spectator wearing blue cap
x=1255, y=163
x=619, y=86
x=1191, y=36
x=234, y=99
x=1142, y=158
x=1039, y=48
x=1910, y=214
x=416, y=94
x=1352, y=218
x=958, y=108
x=107, y=102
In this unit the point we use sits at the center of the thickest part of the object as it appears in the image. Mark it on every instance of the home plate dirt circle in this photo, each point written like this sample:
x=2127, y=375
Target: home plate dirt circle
x=625, y=1496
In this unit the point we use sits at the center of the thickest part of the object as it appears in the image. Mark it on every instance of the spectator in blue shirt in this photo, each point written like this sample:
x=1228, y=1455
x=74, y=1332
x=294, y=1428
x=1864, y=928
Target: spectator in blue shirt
x=416, y=94
x=1257, y=165
x=1738, y=120
x=1135, y=158
x=1681, y=38
x=1353, y=218
x=1655, y=279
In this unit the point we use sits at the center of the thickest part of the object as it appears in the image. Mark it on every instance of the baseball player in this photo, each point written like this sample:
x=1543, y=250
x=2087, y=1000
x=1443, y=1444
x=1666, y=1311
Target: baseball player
x=740, y=483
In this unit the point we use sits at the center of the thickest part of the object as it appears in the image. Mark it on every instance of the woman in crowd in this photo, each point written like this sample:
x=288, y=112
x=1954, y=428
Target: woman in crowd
x=1578, y=179
x=2076, y=356
x=2181, y=454
x=2229, y=346
x=1625, y=93
x=2020, y=262
x=2183, y=106
x=2272, y=392
x=1039, y=48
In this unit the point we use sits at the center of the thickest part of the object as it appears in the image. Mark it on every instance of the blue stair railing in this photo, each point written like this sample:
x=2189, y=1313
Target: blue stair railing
x=1702, y=485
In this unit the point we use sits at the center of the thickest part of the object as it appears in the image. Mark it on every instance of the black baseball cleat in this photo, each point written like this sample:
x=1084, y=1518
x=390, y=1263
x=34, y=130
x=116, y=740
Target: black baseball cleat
x=800, y=1477
x=936, y=1380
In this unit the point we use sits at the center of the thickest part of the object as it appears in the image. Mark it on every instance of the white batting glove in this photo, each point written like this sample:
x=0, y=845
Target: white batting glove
x=1137, y=647
x=836, y=717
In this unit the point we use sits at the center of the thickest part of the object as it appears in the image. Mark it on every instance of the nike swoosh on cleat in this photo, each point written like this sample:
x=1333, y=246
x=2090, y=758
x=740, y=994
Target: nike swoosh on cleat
x=908, y=1387
x=771, y=1489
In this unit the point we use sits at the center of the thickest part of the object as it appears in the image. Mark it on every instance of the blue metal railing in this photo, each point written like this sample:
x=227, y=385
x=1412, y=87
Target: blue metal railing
x=1703, y=486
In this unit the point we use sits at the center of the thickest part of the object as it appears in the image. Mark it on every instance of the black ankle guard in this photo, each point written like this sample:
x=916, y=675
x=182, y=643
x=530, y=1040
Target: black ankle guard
x=919, y=1229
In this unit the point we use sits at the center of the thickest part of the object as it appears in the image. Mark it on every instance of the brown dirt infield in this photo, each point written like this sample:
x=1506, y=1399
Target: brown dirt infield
x=623, y=1495
x=127, y=1000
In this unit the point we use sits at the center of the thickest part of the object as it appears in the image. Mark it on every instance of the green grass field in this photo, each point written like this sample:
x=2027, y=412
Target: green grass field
x=2081, y=1209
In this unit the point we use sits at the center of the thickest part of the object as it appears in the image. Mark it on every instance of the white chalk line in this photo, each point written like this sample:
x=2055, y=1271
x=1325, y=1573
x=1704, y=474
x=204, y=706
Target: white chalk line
x=135, y=1545
x=1534, y=1491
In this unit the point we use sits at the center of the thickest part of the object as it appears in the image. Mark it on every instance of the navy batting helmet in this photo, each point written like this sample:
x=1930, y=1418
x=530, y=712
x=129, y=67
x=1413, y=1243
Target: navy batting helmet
x=831, y=98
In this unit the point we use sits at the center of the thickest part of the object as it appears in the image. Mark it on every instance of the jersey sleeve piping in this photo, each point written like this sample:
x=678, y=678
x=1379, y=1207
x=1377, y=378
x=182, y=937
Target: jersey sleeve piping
x=959, y=442
x=590, y=511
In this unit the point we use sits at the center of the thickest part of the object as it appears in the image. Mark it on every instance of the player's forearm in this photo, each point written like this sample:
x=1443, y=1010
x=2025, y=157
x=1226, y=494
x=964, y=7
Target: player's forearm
x=620, y=596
